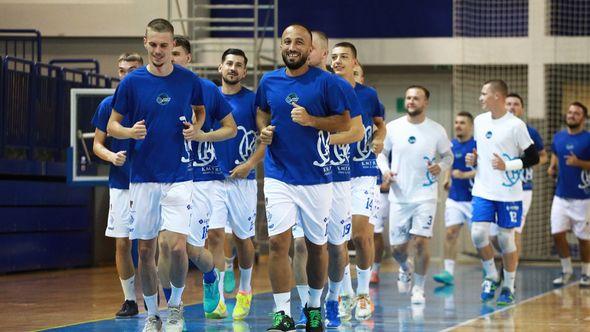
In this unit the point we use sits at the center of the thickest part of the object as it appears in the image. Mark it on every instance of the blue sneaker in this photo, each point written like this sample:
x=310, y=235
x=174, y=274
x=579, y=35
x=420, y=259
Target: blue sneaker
x=211, y=294
x=444, y=278
x=488, y=289
x=300, y=324
x=229, y=281
x=332, y=319
x=506, y=297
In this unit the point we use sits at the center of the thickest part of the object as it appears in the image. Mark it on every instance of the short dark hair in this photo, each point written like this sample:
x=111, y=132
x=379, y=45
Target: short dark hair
x=300, y=25
x=183, y=42
x=348, y=45
x=516, y=95
x=582, y=106
x=426, y=92
x=234, y=51
x=498, y=86
x=130, y=57
x=466, y=114
x=160, y=25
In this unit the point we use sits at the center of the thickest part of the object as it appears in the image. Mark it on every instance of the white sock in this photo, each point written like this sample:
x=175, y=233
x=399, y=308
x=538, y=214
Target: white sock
x=315, y=297
x=376, y=267
x=220, y=286
x=129, y=288
x=303, y=291
x=333, y=290
x=245, y=280
x=175, y=296
x=229, y=263
x=489, y=267
x=419, y=280
x=363, y=278
x=346, y=288
x=151, y=302
x=283, y=302
x=586, y=269
x=450, y=266
x=509, y=278
x=566, y=265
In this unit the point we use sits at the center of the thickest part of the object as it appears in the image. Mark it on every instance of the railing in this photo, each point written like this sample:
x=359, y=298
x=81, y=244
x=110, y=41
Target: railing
x=34, y=107
x=21, y=43
x=81, y=64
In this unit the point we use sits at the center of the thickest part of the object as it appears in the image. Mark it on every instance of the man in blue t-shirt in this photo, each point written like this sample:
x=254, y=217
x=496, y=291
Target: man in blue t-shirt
x=570, y=162
x=118, y=222
x=298, y=107
x=159, y=101
x=515, y=105
x=235, y=210
x=458, y=182
x=205, y=181
x=363, y=173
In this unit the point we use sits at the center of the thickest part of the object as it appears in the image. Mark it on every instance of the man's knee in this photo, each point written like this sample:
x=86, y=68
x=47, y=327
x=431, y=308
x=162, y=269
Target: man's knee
x=480, y=234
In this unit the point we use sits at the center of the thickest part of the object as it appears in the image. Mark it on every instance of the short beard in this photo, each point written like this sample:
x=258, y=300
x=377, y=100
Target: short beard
x=573, y=126
x=414, y=113
x=294, y=65
x=230, y=82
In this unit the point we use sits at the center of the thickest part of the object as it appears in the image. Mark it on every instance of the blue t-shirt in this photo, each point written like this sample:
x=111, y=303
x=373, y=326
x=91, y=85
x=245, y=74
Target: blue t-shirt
x=364, y=161
x=237, y=150
x=460, y=190
x=205, y=164
x=118, y=175
x=299, y=155
x=572, y=182
x=527, y=173
x=163, y=156
x=340, y=154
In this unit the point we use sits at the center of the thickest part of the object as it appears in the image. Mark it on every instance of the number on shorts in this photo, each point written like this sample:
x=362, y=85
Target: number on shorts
x=369, y=204
x=429, y=222
x=346, y=229
x=205, y=230
x=513, y=216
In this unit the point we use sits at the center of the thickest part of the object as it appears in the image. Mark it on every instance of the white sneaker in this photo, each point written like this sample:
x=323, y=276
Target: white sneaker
x=404, y=281
x=563, y=279
x=152, y=324
x=364, y=307
x=175, y=321
x=418, y=295
x=345, y=305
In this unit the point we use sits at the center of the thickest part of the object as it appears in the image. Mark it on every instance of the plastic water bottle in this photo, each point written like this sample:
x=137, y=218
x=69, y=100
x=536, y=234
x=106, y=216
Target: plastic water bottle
x=83, y=163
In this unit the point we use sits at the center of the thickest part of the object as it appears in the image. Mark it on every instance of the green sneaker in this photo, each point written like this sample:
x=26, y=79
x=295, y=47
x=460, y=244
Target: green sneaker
x=315, y=323
x=506, y=297
x=281, y=323
x=211, y=294
x=444, y=278
x=229, y=281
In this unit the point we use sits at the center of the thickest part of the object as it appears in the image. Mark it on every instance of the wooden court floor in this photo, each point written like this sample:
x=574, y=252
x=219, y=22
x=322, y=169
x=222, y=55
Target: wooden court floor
x=42, y=300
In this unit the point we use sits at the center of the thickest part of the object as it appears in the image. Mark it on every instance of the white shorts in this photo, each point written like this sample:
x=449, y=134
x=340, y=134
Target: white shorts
x=380, y=211
x=363, y=194
x=340, y=221
x=410, y=218
x=155, y=206
x=286, y=203
x=457, y=213
x=527, y=199
x=203, y=193
x=119, y=222
x=570, y=214
x=234, y=207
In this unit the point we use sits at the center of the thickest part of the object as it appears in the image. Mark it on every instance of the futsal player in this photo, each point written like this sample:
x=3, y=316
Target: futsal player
x=363, y=172
x=420, y=153
x=504, y=148
x=118, y=220
x=298, y=106
x=154, y=98
x=459, y=182
x=570, y=162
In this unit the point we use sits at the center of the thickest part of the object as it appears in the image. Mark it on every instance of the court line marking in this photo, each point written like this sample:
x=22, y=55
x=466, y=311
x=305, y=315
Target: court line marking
x=469, y=321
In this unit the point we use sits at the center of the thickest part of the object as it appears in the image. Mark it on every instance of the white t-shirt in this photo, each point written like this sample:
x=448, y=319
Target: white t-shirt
x=508, y=137
x=412, y=147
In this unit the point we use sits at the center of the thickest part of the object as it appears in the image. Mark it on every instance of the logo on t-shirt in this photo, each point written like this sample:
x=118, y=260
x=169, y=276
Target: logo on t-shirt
x=430, y=178
x=585, y=179
x=489, y=135
x=163, y=99
x=412, y=140
x=247, y=145
x=323, y=147
x=292, y=98
x=204, y=155
x=569, y=147
x=512, y=177
x=341, y=152
x=363, y=147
